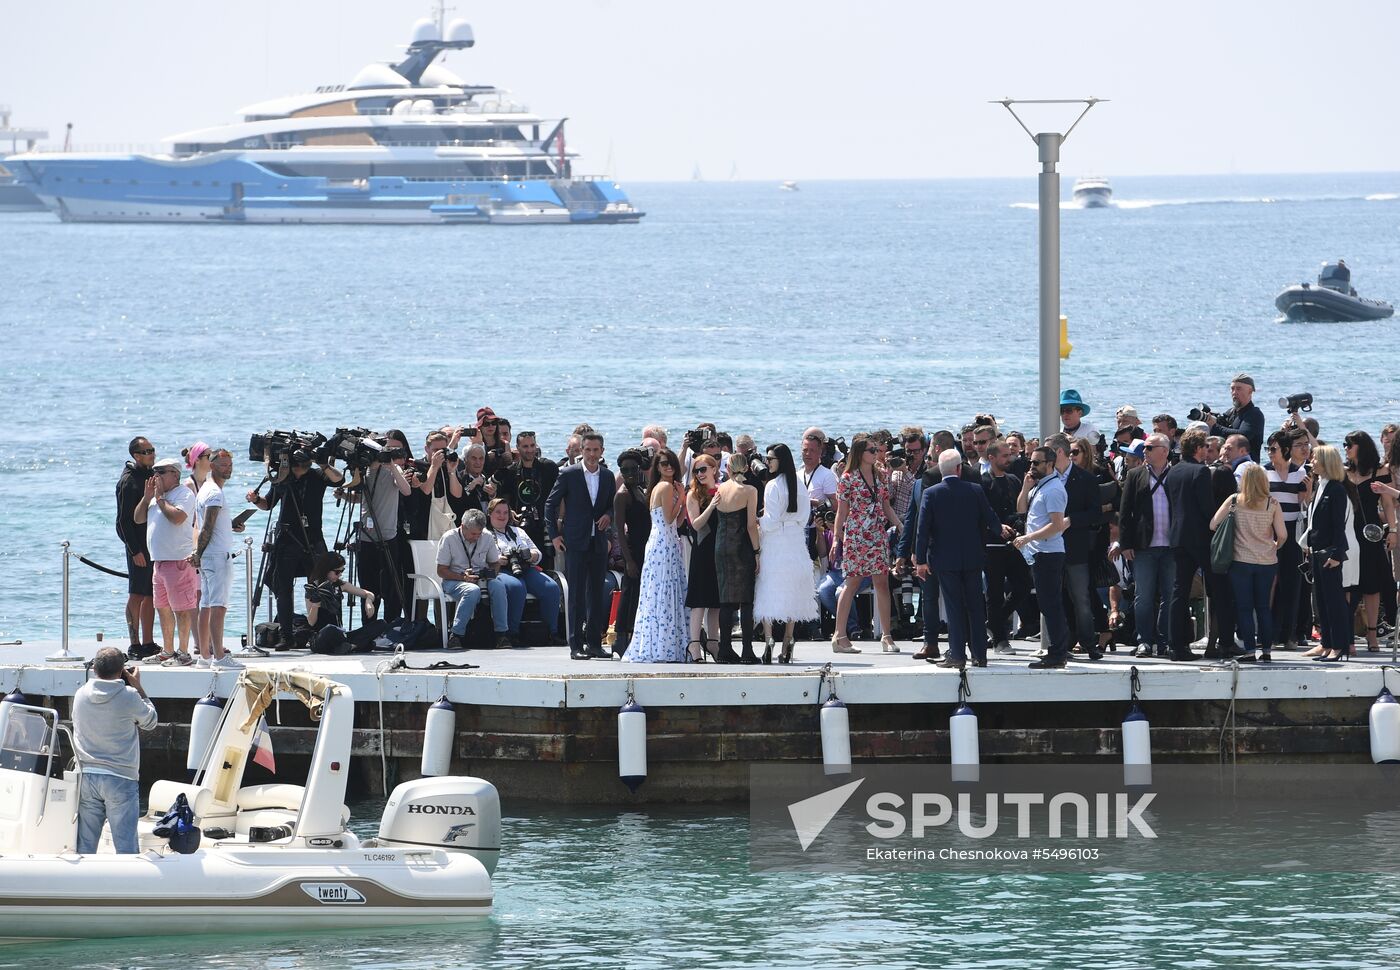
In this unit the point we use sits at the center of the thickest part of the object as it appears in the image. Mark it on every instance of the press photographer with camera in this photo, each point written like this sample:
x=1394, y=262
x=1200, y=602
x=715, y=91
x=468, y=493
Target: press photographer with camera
x=1244, y=418
x=703, y=439
x=109, y=714
x=521, y=574
x=379, y=546
x=817, y=476
x=429, y=511
x=527, y=484
x=478, y=488
x=325, y=609
x=468, y=563
x=300, y=479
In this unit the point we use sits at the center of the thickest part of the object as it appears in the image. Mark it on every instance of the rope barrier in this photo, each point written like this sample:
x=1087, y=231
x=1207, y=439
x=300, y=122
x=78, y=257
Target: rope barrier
x=101, y=568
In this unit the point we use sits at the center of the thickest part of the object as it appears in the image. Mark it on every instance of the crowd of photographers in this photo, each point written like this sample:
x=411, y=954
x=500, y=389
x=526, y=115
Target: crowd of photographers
x=1106, y=535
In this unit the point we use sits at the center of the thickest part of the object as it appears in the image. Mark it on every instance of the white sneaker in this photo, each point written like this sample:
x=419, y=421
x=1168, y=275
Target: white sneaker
x=202, y=662
x=227, y=663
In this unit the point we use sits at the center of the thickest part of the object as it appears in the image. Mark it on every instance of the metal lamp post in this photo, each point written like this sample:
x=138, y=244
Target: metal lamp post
x=1048, y=144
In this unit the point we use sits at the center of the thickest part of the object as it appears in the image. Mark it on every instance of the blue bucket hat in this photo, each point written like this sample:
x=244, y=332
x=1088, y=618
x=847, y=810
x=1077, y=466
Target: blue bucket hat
x=1071, y=399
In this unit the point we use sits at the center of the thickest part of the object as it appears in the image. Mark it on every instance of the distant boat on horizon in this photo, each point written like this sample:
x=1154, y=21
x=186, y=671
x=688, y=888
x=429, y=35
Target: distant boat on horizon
x=1093, y=192
x=790, y=186
x=695, y=175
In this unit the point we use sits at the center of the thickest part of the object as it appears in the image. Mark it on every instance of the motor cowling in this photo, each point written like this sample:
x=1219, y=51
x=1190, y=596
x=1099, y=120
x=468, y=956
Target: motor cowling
x=455, y=813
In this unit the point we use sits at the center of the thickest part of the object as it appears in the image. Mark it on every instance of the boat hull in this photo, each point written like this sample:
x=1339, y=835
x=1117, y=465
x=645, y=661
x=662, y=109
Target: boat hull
x=1317, y=304
x=253, y=889
x=16, y=198
x=1093, y=198
x=229, y=187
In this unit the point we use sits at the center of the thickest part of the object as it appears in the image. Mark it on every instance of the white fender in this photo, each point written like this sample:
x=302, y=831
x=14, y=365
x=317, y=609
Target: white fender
x=962, y=737
x=1137, y=748
x=632, y=744
x=203, y=723
x=437, y=738
x=836, y=738
x=1385, y=729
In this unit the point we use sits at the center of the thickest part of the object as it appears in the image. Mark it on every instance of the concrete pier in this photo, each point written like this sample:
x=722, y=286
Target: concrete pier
x=541, y=725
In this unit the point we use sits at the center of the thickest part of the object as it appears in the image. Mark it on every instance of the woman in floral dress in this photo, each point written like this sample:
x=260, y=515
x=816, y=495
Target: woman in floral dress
x=862, y=510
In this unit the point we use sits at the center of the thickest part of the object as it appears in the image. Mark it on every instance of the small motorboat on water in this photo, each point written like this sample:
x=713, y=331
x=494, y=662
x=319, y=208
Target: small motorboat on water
x=1093, y=192
x=272, y=858
x=790, y=185
x=1332, y=300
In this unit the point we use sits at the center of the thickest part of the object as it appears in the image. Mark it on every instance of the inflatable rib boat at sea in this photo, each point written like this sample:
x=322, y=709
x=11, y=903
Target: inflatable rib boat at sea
x=272, y=857
x=1332, y=300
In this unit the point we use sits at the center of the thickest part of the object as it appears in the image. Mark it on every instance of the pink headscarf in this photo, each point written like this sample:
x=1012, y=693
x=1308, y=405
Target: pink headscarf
x=196, y=452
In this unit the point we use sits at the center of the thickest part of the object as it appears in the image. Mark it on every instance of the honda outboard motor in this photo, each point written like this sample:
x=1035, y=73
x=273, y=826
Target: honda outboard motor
x=454, y=813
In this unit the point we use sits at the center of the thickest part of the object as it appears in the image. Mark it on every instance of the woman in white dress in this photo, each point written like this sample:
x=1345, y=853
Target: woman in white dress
x=660, y=632
x=784, y=592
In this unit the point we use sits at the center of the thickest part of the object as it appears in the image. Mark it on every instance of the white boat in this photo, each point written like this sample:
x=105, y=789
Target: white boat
x=1093, y=192
x=273, y=858
x=790, y=186
x=387, y=147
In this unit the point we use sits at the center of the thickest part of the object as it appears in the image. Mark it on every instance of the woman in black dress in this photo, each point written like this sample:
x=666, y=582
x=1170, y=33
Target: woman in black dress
x=633, y=518
x=736, y=559
x=1363, y=464
x=702, y=586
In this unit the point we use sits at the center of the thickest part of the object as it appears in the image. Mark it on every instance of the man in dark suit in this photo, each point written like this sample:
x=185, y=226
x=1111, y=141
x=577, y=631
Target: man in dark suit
x=1008, y=579
x=584, y=493
x=955, y=523
x=1144, y=533
x=1192, y=504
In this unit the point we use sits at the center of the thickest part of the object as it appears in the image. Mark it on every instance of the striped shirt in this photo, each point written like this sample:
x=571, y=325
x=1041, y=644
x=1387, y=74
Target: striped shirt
x=1287, y=489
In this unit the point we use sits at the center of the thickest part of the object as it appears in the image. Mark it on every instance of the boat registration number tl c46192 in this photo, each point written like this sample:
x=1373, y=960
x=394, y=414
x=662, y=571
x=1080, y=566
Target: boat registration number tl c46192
x=333, y=893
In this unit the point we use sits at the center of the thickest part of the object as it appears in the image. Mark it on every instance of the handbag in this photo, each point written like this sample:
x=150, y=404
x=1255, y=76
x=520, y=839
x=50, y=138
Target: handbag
x=1222, y=544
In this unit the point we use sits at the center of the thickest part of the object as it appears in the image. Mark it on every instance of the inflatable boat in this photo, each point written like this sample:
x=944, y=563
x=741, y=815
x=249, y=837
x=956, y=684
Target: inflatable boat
x=271, y=858
x=1331, y=300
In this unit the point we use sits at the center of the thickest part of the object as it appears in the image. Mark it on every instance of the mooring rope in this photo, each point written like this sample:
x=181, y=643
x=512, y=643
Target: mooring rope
x=1229, y=722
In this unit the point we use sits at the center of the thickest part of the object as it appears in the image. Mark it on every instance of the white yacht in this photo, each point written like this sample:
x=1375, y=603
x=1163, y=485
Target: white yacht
x=1093, y=192
x=402, y=142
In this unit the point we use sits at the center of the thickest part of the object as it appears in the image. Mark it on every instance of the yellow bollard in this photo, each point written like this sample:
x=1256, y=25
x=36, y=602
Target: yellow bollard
x=1065, y=346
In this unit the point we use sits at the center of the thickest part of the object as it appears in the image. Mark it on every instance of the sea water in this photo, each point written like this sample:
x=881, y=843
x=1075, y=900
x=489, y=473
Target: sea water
x=850, y=305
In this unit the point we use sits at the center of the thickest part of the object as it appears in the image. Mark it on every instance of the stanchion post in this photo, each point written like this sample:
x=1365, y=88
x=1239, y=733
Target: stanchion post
x=63, y=656
x=248, y=593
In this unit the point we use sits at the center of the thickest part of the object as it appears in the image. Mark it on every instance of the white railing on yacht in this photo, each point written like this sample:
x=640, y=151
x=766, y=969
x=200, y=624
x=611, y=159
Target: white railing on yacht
x=448, y=143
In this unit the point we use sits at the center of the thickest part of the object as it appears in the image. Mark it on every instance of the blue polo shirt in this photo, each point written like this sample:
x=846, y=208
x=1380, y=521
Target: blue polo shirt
x=1047, y=496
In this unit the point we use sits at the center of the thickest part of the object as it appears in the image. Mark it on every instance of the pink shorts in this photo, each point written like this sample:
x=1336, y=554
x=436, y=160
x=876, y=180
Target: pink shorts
x=176, y=585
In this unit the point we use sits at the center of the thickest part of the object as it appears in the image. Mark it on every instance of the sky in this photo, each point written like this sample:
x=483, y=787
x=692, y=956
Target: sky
x=774, y=89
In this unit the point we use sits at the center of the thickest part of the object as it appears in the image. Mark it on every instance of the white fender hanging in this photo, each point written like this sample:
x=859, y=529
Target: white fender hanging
x=962, y=738
x=1137, y=748
x=438, y=733
x=204, y=721
x=1385, y=729
x=836, y=737
x=632, y=744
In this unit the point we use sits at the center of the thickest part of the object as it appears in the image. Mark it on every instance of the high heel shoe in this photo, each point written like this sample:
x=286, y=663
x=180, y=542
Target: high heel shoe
x=786, y=656
x=696, y=651
x=1340, y=658
x=842, y=644
x=887, y=644
x=1370, y=647
x=768, y=652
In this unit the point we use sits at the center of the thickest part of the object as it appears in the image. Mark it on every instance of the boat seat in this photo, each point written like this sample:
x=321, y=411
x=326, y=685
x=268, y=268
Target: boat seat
x=254, y=797
x=163, y=794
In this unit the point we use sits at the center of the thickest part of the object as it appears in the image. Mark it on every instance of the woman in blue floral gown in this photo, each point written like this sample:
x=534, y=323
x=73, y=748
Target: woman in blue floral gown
x=660, y=632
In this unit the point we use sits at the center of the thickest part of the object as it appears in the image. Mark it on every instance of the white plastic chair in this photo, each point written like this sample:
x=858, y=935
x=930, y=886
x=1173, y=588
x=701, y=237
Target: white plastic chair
x=427, y=587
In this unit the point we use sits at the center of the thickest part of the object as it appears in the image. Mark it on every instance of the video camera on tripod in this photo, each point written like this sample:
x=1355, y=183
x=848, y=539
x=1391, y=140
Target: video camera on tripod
x=359, y=448
x=279, y=448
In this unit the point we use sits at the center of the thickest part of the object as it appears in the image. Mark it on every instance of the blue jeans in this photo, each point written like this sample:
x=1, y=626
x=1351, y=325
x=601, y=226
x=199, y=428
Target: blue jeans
x=826, y=595
x=113, y=800
x=1253, y=582
x=467, y=596
x=542, y=588
x=1048, y=568
x=1152, y=579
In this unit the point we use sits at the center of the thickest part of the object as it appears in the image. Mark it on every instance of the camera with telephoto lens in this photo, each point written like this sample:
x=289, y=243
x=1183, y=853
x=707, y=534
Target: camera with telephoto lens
x=698, y=438
x=325, y=593
x=284, y=447
x=520, y=562
x=830, y=449
x=897, y=457
x=1296, y=402
x=1199, y=412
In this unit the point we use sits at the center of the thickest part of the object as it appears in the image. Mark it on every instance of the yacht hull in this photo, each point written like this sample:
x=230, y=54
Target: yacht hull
x=1094, y=198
